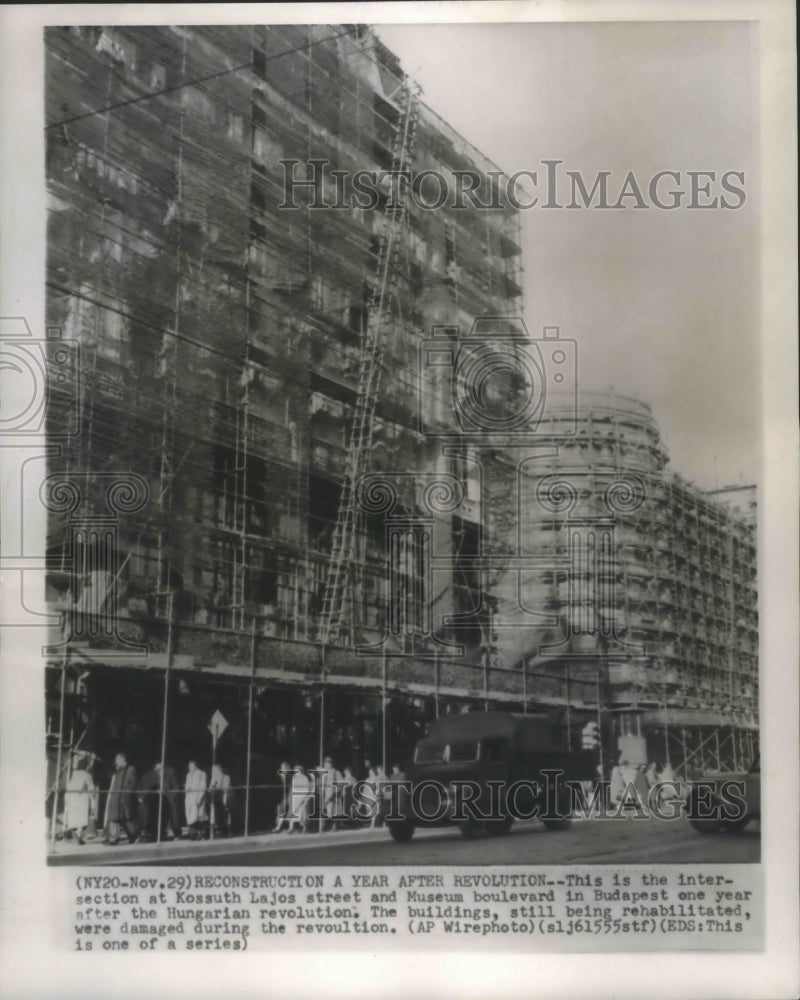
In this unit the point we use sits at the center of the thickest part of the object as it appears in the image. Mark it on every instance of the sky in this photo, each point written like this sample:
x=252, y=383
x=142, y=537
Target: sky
x=664, y=305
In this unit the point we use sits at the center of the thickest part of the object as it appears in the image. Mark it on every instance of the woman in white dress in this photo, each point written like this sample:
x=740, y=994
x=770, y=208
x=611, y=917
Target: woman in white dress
x=195, y=800
x=78, y=799
x=302, y=797
x=617, y=784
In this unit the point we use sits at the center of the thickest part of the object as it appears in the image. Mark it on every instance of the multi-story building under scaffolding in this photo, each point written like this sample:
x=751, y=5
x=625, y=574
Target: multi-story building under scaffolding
x=253, y=345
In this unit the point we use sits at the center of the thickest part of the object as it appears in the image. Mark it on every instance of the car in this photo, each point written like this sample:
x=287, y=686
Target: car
x=725, y=800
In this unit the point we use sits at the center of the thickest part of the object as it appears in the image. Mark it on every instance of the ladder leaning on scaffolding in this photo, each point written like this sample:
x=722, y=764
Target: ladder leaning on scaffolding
x=360, y=435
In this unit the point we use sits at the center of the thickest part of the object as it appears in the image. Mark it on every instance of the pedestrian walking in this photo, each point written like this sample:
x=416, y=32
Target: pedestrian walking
x=79, y=801
x=148, y=804
x=329, y=783
x=669, y=788
x=372, y=791
x=348, y=791
x=221, y=801
x=302, y=799
x=195, y=800
x=152, y=789
x=284, y=812
x=616, y=784
x=122, y=802
x=169, y=791
x=641, y=787
x=379, y=786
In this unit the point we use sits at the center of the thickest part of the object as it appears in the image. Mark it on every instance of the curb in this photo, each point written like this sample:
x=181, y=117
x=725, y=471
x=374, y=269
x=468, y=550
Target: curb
x=170, y=851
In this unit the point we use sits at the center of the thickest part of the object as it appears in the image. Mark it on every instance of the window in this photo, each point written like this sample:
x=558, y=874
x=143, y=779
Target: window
x=261, y=586
x=430, y=753
x=462, y=752
x=235, y=126
x=158, y=76
x=446, y=753
x=198, y=102
x=469, y=470
x=112, y=248
x=258, y=258
x=111, y=335
x=266, y=148
x=417, y=246
x=120, y=51
x=260, y=63
x=327, y=297
x=449, y=244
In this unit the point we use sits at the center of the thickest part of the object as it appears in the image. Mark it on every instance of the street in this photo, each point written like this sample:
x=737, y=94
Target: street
x=606, y=841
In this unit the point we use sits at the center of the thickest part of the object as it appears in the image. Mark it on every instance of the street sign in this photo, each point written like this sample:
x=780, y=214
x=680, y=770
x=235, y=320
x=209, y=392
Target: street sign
x=217, y=725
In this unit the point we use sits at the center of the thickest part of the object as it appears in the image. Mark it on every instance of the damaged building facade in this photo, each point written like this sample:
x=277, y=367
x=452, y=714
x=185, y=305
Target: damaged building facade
x=266, y=504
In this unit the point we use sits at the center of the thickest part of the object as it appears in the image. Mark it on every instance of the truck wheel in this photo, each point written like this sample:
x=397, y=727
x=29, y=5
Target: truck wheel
x=705, y=825
x=470, y=829
x=401, y=832
x=735, y=825
x=557, y=824
x=564, y=821
x=498, y=827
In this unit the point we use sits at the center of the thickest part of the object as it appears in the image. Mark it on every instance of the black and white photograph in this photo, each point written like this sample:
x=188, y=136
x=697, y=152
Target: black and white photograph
x=354, y=490
x=388, y=457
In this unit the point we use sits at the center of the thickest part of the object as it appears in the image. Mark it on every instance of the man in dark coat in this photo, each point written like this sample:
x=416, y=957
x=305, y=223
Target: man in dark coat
x=169, y=789
x=122, y=804
x=148, y=802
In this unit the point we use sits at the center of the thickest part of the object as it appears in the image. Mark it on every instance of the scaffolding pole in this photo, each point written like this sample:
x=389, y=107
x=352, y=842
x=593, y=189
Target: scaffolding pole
x=212, y=812
x=322, y=708
x=599, y=723
x=524, y=685
x=61, y=709
x=666, y=733
x=384, y=713
x=164, y=718
x=487, y=656
x=250, y=695
x=436, y=681
x=569, y=715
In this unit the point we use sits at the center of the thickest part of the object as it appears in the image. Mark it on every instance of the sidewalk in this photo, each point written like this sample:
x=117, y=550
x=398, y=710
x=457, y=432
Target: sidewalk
x=69, y=852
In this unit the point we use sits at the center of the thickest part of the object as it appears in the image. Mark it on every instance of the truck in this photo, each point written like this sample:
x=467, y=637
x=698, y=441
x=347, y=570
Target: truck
x=483, y=770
